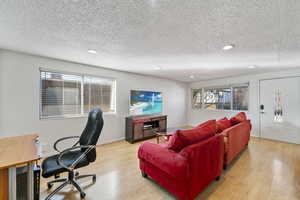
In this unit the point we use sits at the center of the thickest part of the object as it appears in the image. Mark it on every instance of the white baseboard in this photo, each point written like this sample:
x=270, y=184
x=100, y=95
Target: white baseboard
x=111, y=141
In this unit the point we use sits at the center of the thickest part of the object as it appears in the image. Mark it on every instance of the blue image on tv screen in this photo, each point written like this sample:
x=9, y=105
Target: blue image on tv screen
x=145, y=102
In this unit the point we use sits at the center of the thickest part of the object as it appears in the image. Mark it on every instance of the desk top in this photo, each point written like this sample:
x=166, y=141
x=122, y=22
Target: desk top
x=18, y=150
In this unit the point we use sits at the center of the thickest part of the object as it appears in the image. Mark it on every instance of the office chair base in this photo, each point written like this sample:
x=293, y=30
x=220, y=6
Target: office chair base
x=50, y=184
x=85, y=176
x=72, y=181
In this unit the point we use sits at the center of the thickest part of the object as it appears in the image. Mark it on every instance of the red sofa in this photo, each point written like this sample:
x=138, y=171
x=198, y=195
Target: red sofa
x=236, y=138
x=193, y=158
x=184, y=172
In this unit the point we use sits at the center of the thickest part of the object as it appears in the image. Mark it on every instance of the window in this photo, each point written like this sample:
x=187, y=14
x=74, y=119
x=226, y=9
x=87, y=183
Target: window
x=65, y=95
x=197, y=98
x=221, y=98
x=240, y=96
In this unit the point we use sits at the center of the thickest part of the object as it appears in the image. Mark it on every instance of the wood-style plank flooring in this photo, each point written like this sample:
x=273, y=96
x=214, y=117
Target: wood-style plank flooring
x=266, y=170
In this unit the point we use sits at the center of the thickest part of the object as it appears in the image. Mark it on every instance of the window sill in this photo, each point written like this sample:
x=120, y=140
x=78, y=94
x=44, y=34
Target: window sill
x=219, y=110
x=72, y=116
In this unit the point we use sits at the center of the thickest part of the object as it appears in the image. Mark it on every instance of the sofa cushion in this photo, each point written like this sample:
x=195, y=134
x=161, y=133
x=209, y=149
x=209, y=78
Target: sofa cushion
x=197, y=134
x=238, y=118
x=175, y=142
x=183, y=138
x=210, y=124
x=223, y=124
x=164, y=159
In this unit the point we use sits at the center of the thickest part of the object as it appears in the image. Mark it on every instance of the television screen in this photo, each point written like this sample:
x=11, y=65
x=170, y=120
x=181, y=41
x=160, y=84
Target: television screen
x=145, y=102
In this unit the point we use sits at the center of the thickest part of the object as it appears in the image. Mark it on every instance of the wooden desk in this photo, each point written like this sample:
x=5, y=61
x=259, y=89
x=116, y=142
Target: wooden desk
x=14, y=151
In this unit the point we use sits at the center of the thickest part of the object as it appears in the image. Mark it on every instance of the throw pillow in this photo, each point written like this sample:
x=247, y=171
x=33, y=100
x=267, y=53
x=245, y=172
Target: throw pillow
x=223, y=124
x=197, y=134
x=210, y=124
x=175, y=143
x=238, y=118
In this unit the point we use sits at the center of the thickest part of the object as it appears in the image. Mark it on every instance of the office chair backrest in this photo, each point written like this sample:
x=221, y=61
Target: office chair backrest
x=92, y=132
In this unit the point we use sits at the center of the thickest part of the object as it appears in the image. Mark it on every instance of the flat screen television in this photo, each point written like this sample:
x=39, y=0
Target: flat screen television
x=145, y=102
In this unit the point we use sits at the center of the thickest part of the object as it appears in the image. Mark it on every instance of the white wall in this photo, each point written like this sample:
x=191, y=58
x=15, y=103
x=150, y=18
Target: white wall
x=201, y=115
x=19, y=102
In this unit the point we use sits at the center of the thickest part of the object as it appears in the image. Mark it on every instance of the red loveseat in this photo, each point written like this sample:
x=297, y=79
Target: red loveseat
x=236, y=135
x=184, y=166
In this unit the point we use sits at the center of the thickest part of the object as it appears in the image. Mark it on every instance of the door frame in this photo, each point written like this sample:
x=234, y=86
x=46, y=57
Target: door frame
x=259, y=103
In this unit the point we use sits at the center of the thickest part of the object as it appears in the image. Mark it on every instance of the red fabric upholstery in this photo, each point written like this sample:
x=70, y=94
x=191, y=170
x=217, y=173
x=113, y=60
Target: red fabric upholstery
x=225, y=144
x=210, y=124
x=236, y=139
x=206, y=163
x=179, y=188
x=238, y=118
x=223, y=124
x=195, y=135
x=175, y=143
x=182, y=138
x=167, y=160
x=185, y=173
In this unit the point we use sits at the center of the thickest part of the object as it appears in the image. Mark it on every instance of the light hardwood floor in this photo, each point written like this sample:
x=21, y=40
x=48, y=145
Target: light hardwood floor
x=266, y=170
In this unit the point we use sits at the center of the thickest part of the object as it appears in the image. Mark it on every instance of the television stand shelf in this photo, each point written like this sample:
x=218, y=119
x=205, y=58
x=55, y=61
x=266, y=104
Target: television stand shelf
x=144, y=127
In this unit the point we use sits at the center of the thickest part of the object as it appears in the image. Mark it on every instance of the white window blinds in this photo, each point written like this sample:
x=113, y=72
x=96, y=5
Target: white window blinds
x=65, y=95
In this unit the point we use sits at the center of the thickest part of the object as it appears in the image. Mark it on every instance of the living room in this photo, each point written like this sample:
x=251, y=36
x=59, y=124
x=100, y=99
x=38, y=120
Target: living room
x=158, y=83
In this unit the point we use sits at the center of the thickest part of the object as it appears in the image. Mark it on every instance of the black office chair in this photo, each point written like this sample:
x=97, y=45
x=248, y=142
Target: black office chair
x=75, y=157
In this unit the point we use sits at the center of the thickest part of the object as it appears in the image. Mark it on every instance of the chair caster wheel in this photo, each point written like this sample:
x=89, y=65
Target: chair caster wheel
x=49, y=185
x=82, y=195
x=94, y=179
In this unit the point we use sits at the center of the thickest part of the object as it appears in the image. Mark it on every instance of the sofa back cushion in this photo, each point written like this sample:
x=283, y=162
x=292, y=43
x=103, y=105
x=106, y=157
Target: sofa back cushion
x=196, y=135
x=183, y=138
x=238, y=118
x=223, y=124
x=210, y=125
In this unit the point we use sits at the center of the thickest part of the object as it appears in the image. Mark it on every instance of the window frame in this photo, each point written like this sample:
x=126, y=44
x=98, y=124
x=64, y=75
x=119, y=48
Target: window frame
x=232, y=86
x=82, y=114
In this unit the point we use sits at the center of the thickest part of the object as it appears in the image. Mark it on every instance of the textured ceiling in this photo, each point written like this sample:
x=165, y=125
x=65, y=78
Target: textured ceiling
x=183, y=37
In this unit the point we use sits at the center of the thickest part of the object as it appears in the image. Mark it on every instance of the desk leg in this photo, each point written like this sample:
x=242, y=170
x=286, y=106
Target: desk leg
x=12, y=183
x=30, y=181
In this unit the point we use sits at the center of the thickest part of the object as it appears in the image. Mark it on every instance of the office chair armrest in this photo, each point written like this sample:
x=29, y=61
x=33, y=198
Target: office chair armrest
x=62, y=139
x=87, y=148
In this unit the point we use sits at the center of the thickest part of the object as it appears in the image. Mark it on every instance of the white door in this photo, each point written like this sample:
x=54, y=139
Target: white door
x=280, y=109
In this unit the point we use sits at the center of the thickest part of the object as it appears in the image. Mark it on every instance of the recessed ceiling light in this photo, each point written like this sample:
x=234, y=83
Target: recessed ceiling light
x=192, y=76
x=228, y=47
x=251, y=66
x=157, y=68
x=92, y=51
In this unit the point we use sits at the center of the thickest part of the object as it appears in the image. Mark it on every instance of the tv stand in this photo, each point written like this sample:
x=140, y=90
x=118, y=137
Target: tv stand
x=144, y=127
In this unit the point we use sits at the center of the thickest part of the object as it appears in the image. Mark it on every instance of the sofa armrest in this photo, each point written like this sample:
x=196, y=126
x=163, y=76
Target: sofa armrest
x=166, y=160
x=237, y=138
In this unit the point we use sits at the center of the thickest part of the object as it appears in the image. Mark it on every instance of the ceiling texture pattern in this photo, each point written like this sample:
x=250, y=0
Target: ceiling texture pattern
x=182, y=37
